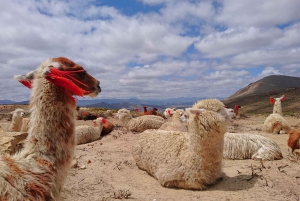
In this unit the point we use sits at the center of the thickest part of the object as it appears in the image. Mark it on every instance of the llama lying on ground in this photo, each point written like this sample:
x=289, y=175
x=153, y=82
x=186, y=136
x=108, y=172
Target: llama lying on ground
x=107, y=127
x=85, y=134
x=294, y=139
x=39, y=170
x=175, y=124
x=139, y=124
x=16, y=122
x=189, y=160
x=239, y=146
x=275, y=123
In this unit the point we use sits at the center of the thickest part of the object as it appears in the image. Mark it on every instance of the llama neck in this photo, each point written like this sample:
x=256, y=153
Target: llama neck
x=206, y=136
x=16, y=123
x=125, y=118
x=52, y=120
x=176, y=117
x=277, y=108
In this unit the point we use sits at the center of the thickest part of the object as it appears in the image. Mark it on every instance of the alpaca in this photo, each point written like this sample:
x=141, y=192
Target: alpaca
x=189, y=160
x=139, y=124
x=16, y=122
x=238, y=146
x=275, y=123
x=294, y=139
x=169, y=112
x=277, y=109
x=236, y=109
x=107, y=127
x=85, y=134
x=38, y=171
x=147, y=112
x=175, y=123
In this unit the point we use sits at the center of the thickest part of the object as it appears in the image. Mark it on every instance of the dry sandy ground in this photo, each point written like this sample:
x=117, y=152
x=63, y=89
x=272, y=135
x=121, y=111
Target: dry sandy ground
x=107, y=171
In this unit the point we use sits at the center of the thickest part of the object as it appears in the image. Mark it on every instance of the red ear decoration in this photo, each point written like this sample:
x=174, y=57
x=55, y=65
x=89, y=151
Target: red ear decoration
x=272, y=100
x=103, y=121
x=63, y=79
x=26, y=83
x=283, y=98
x=169, y=112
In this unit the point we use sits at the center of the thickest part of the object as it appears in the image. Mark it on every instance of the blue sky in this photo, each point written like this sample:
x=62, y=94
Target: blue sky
x=152, y=48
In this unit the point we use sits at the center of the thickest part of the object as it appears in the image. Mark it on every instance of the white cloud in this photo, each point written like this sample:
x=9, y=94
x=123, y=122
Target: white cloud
x=248, y=13
x=269, y=71
x=184, y=48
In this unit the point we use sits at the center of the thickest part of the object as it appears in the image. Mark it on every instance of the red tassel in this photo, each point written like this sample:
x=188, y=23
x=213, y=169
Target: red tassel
x=26, y=83
x=103, y=121
x=65, y=80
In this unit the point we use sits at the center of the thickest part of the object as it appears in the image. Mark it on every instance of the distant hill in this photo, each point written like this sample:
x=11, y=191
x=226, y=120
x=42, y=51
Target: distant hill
x=255, y=97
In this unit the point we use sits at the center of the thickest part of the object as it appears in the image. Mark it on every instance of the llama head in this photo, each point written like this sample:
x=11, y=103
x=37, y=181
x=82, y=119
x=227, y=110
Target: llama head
x=99, y=122
x=169, y=112
x=18, y=112
x=66, y=74
x=274, y=100
x=214, y=105
x=277, y=104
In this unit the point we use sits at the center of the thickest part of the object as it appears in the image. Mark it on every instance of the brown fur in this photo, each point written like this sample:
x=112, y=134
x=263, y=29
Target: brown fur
x=294, y=139
x=107, y=128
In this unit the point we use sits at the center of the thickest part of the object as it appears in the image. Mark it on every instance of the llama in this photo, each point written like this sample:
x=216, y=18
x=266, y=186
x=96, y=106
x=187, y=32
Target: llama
x=275, y=123
x=38, y=171
x=277, y=109
x=294, y=139
x=189, y=160
x=16, y=122
x=139, y=124
x=175, y=122
x=85, y=134
x=238, y=146
x=169, y=112
x=236, y=110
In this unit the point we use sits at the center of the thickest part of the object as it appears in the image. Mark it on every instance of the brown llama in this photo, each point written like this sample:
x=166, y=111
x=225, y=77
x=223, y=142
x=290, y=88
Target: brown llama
x=39, y=170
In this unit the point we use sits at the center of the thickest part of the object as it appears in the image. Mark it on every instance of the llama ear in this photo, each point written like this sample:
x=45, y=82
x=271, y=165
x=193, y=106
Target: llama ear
x=272, y=100
x=26, y=80
x=282, y=98
x=195, y=111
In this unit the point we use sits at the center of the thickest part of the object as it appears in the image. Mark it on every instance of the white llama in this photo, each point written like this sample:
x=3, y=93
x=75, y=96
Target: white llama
x=39, y=170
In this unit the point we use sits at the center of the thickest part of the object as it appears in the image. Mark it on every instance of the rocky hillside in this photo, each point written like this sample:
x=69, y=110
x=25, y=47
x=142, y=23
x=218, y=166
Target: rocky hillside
x=255, y=97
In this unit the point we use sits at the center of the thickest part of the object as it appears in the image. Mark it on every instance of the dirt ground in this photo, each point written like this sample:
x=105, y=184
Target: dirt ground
x=107, y=171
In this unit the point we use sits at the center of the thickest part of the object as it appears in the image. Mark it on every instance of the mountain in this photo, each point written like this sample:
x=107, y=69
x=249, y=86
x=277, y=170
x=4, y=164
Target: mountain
x=255, y=97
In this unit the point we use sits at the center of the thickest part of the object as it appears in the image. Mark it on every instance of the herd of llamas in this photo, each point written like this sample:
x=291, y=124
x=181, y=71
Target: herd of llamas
x=180, y=148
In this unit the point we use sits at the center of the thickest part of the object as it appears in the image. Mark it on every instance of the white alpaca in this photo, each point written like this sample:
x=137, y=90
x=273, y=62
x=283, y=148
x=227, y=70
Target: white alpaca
x=16, y=123
x=139, y=124
x=275, y=123
x=85, y=134
x=238, y=146
x=169, y=112
x=175, y=123
x=189, y=160
x=38, y=171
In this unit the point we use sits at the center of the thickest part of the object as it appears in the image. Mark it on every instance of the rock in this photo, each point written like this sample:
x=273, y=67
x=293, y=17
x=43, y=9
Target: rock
x=74, y=163
x=11, y=142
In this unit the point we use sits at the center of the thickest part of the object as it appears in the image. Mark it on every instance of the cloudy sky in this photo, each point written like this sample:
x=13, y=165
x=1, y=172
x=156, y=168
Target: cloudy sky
x=152, y=49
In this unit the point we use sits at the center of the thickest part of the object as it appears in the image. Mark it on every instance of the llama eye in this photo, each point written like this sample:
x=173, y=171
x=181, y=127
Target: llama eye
x=82, y=74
